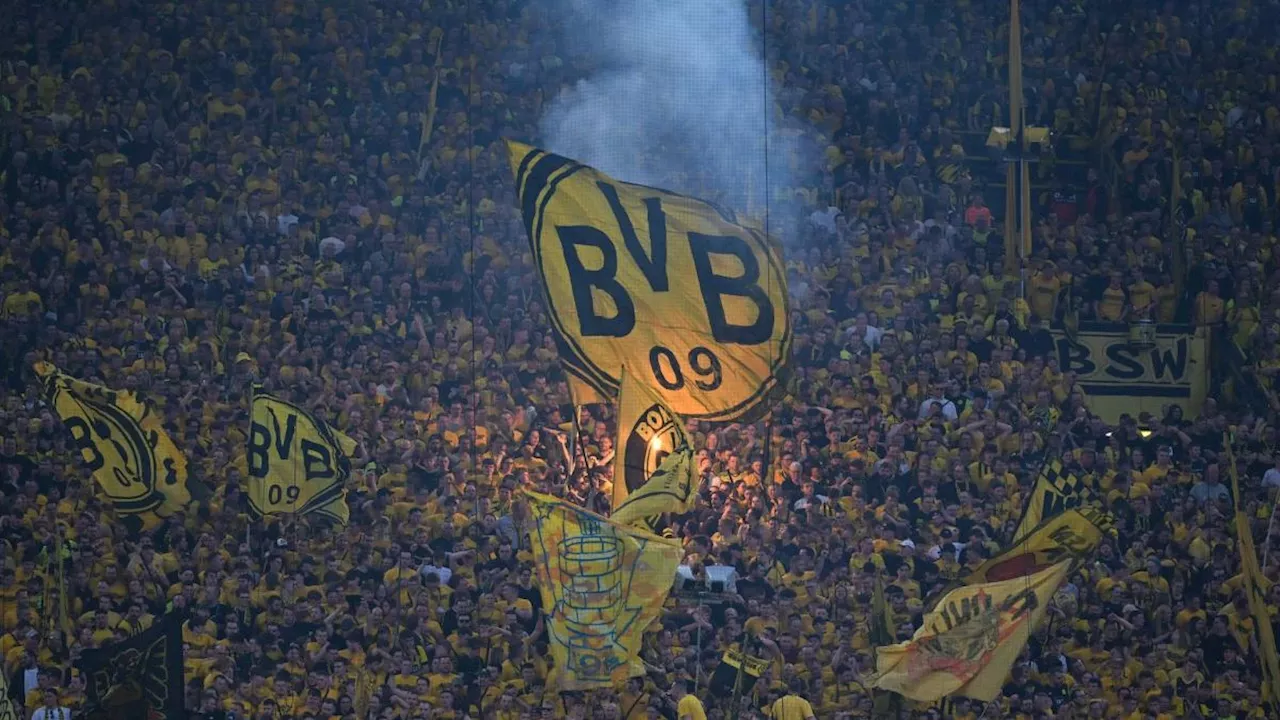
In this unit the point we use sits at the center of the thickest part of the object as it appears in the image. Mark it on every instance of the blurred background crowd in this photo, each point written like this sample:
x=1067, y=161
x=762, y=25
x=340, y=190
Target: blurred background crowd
x=205, y=194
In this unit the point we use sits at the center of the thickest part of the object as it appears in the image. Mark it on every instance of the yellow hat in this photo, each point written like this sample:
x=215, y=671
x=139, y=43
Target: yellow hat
x=243, y=357
x=523, y=604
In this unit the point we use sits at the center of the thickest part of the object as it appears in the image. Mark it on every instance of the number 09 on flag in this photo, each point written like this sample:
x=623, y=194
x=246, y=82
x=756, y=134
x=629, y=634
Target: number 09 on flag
x=675, y=288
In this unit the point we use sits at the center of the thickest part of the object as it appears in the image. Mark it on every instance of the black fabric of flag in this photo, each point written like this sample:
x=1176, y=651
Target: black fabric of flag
x=140, y=678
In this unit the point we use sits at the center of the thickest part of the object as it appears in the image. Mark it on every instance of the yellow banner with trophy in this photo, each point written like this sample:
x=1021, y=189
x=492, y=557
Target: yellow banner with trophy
x=602, y=584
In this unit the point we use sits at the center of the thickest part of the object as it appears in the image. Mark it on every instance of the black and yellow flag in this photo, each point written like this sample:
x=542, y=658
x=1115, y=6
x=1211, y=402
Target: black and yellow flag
x=885, y=704
x=1071, y=535
x=602, y=584
x=298, y=465
x=881, y=624
x=8, y=710
x=970, y=640
x=1255, y=585
x=122, y=440
x=140, y=677
x=653, y=459
x=737, y=673
x=636, y=275
x=1055, y=492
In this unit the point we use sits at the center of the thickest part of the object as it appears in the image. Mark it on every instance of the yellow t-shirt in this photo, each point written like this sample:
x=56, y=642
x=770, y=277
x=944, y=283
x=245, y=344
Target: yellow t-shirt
x=791, y=707
x=690, y=708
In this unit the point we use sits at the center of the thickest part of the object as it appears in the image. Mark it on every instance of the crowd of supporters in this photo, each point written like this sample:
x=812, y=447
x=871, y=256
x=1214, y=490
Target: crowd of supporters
x=204, y=194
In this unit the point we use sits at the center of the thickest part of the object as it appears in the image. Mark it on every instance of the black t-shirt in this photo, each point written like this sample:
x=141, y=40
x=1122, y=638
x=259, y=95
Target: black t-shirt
x=759, y=589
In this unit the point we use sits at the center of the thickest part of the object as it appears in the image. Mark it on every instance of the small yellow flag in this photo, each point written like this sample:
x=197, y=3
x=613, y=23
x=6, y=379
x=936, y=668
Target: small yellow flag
x=1056, y=491
x=297, y=463
x=653, y=458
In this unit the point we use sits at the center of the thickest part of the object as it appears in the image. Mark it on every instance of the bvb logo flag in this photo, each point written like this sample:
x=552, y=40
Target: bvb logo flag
x=1055, y=492
x=633, y=273
x=602, y=584
x=133, y=460
x=138, y=678
x=969, y=642
x=297, y=464
x=653, y=459
x=1071, y=535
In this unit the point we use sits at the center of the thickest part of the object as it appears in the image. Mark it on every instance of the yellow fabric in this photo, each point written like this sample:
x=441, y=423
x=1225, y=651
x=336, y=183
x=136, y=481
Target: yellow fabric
x=636, y=275
x=1255, y=585
x=1073, y=534
x=791, y=707
x=653, y=455
x=1055, y=492
x=690, y=708
x=601, y=584
x=969, y=642
x=133, y=460
x=297, y=463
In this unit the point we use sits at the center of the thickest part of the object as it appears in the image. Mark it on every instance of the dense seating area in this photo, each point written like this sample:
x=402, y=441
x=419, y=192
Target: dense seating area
x=203, y=195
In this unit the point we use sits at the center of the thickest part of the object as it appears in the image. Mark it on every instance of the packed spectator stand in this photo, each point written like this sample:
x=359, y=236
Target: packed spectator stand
x=202, y=195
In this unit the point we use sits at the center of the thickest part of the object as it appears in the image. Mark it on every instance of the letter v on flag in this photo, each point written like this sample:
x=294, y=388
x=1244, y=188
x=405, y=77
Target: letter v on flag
x=672, y=286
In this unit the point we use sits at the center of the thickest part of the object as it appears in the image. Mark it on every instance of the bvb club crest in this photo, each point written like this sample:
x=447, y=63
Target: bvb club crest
x=655, y=435
x=670, y=285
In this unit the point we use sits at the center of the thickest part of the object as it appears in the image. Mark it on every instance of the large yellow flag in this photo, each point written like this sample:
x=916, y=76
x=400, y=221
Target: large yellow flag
x=1071, y=535
x=1255, y=585
x=634, y=273
x=602, y=584
x=969, y=642
x=297, y=464
x=653, y=459
x=133, y=460
x=1056, y=491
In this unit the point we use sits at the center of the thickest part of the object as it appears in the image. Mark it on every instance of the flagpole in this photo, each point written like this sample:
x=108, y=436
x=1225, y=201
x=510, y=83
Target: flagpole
x=1266, y=544
x=735, y=707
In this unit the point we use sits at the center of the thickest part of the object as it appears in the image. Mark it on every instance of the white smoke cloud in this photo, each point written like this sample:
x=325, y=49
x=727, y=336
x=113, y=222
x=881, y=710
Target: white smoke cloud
x=679, y=97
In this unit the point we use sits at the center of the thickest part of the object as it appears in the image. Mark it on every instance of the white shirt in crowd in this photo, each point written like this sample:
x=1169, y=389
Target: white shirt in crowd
x=948, y=408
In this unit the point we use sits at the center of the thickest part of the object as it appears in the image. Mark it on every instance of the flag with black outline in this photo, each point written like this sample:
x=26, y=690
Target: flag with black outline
x=141, y=677
x=298, y=465
x=653, y=458
x=123, y=442
x=671, y=286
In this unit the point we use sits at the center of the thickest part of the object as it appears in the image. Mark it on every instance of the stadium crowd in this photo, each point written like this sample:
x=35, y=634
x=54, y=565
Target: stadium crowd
x=205, y=194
